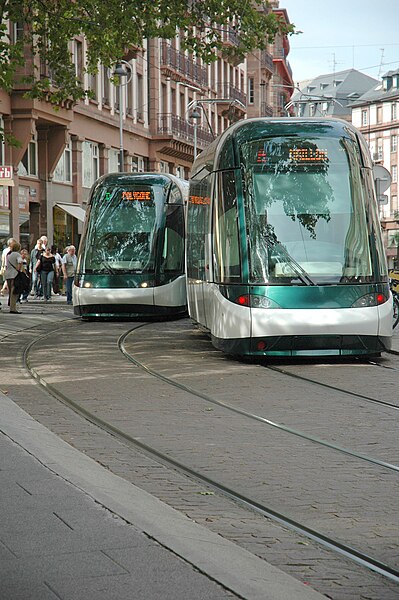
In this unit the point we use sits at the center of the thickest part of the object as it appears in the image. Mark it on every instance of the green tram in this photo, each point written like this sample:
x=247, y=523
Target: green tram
x=284, y=255
x=131, y=255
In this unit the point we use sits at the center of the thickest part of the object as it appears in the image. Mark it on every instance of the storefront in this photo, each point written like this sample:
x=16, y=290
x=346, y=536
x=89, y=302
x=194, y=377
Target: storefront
x=67, y=220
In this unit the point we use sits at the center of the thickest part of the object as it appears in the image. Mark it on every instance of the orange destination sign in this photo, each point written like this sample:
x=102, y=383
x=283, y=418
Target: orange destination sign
x=141, y=195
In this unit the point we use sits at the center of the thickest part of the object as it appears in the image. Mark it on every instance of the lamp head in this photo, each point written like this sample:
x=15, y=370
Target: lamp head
x=120, y=70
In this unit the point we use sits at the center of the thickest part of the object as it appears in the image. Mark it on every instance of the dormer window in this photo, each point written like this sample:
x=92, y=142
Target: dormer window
x=323, y=86
x=310, y=88
x=337, y=82
x=387, y=83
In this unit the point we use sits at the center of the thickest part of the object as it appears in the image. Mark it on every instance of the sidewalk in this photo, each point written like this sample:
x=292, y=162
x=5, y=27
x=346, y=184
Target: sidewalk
x=72, y=530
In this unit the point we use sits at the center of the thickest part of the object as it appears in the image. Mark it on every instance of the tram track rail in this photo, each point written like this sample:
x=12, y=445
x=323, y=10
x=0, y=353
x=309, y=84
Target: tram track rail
x=326, y=541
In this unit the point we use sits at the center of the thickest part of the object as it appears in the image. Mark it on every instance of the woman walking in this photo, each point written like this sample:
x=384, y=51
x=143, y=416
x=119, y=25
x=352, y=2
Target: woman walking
x=47, y=266
x=13, y=266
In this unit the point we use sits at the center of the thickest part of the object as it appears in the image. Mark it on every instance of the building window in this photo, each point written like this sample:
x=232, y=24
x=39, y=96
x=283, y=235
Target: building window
x=63, y=170
x=324, y=108
x=394, y=143
x=394, y=111
x=312, y=110
x=394, y=173
x=394, y=204
x=180, y=172
x=90, y=163
x=113, y=160
x=140, y=98
x=18, y=31
x=379, y=114
x=251, y=90
x=78, y=60
x=28, y=164
x=379, y=149
x=364, y=117
x=163, y=167
x=105, y=87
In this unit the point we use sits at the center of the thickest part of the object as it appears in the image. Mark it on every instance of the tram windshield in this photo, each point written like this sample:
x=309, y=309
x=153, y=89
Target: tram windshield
x=124, y=223
x=305, y=212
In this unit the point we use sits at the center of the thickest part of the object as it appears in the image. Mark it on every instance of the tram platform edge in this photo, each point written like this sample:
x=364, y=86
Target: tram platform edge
x=58, y=536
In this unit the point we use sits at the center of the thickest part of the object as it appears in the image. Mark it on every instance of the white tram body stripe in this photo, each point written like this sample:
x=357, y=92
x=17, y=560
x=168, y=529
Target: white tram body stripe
x=227, y=320
x=170, y=294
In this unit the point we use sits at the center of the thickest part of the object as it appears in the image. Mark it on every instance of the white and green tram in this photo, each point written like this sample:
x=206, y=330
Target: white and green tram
x=284, y=255
x=131, y=255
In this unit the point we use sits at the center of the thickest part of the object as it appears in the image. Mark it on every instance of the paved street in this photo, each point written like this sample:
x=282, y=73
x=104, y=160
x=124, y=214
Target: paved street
x=90, y=370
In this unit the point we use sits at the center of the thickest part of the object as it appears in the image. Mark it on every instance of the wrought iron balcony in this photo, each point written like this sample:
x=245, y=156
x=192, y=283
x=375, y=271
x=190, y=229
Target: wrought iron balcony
x=183, y=65
x=266, y=61
x=230, y=92
x=266, y=110
x=170, y=124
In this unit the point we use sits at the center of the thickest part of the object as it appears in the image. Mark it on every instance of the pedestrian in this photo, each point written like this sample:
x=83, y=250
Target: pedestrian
x=25, y=269
x=35, y=254
x=6, y=251
x=57, y=274
x=44, y=242
x=13, y=266
x=69, y=262
x=46, y=266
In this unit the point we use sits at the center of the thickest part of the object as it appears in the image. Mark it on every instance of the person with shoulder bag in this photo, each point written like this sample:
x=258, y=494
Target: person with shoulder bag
x=46, y=266
x=13, y=267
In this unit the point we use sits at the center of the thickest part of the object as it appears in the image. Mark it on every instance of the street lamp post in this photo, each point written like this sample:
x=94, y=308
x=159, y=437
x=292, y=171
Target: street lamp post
x=122, y=69
x=195, y=115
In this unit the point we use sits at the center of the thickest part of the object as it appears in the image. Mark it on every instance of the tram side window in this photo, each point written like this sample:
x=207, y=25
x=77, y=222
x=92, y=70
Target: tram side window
x=173, y=247
x=198, y=226
x=226, y=237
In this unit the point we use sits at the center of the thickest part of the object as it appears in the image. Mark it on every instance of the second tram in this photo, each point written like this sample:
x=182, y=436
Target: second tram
x=131, y=255
x=284, y=253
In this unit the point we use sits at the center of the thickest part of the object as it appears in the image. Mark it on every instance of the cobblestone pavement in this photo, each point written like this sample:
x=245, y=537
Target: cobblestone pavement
x=82, y=360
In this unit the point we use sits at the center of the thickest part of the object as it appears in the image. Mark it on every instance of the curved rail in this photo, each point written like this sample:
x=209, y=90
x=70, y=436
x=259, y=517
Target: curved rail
x=328, y=542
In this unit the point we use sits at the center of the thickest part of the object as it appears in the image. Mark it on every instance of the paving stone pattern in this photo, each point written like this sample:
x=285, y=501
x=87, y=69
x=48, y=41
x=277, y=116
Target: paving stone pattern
x=125, y=392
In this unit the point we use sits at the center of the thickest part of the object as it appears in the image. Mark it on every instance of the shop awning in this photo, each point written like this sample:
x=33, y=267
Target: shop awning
x=74, y=210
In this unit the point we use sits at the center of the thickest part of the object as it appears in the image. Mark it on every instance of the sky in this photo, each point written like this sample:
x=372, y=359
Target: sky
x=343, y=34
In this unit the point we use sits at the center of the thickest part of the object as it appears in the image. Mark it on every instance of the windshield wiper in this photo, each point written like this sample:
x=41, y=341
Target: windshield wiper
x=108, y=267
x=282, y=252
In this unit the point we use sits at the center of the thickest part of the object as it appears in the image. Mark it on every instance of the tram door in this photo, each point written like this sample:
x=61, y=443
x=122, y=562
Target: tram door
x=197, y=233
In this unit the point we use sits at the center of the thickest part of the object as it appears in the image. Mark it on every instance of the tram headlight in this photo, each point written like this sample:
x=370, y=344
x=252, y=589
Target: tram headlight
x=87, y=284
x=370, y=300
x=256, y=301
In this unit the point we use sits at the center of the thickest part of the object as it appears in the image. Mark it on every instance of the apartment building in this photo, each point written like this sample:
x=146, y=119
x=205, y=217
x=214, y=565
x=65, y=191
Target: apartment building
x=376, y=114
x=64, y=151
x=331, y=94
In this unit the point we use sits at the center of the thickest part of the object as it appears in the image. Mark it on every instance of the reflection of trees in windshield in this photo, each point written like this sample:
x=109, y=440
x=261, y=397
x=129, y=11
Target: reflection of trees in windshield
x=304, y=215
x=121, y=236
x=300, y=185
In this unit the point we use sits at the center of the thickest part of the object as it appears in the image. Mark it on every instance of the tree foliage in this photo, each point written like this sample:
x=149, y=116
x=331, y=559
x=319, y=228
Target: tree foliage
x=111, y=27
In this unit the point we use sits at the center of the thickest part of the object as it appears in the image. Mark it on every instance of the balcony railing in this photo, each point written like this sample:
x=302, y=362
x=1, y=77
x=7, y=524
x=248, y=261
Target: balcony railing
x=230, y=92
x=230, y=36
x=170, y=124
x=266, y=61
x=266, y=110
x=179, y=62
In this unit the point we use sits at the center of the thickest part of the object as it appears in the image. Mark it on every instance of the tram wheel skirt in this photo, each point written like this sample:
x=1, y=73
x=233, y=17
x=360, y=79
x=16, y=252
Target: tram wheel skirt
x=100, y=311
x=303, y=345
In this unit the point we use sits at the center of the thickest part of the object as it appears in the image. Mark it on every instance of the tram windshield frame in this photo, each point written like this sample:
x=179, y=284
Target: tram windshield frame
x=305, y=212
x=132, y=230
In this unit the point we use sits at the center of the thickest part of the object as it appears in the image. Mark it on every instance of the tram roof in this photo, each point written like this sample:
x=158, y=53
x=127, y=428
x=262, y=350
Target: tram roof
x=222, y=152
x=146, y=178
